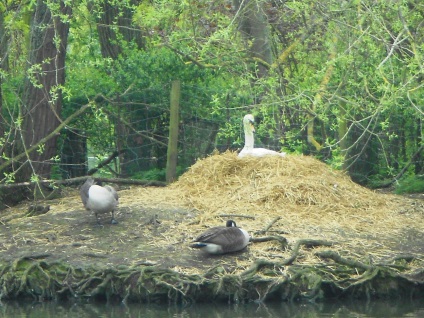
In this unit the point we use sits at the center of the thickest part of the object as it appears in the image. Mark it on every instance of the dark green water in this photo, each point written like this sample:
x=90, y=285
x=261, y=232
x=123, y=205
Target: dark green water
x=383, y=309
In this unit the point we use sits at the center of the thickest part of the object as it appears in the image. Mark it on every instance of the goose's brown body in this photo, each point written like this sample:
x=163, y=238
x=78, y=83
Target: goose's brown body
x=222, y=239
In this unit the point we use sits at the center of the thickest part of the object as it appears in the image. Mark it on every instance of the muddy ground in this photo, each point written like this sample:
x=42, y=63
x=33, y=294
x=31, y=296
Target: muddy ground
x=69, y=233
x=144, y=234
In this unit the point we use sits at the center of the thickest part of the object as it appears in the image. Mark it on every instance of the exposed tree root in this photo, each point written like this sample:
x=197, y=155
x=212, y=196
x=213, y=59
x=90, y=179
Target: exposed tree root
x=343, y=261
x=260, y=263
x=281, y=239
x=33, y=277
x=266, y=229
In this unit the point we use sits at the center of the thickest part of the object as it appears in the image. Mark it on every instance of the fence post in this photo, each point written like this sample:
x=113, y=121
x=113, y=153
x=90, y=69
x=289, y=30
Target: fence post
x=172, y=154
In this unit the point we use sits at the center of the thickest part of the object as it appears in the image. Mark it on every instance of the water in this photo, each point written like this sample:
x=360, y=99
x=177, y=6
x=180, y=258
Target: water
x=350, y=309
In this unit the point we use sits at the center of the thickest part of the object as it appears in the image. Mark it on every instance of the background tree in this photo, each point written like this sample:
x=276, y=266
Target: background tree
x=338, y=80
x=3, y=63
x=42, y=96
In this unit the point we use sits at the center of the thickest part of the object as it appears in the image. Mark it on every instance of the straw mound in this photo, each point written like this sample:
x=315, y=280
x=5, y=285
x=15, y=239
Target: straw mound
x=297, y=196
x=295, y=180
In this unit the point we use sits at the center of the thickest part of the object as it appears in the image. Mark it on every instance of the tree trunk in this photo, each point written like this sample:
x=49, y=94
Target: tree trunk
x=318, y=98
x=419, y=162
x=115, y=30
x=115, y=22
x=342, y=131
x=42, y=98
x=254, y=26
x=172, y=155
x=3, y=67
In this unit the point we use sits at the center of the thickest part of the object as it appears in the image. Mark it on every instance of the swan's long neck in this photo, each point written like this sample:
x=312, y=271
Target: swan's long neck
x=249, y=140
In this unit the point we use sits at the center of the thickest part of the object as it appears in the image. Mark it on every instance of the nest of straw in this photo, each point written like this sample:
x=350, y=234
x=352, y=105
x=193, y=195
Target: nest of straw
x=297, y=196
x=293, y=187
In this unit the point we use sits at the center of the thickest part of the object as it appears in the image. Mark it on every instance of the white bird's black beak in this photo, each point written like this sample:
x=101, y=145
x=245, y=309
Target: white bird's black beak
x=252, y=125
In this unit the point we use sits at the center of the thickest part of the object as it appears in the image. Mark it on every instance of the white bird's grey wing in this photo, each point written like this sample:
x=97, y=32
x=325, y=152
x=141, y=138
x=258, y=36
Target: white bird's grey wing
x=99, y=199
x=84, y=191
x=113, y=191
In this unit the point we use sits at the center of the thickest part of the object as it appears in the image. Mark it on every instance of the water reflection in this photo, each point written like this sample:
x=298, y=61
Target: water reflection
x=352, y=309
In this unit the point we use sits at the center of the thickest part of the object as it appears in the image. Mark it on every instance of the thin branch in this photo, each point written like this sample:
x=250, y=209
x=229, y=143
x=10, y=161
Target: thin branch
x=237, y=216
x=394, y=46
x=46, y=138
x=404, y=169
x=106, y=161
x=127, y=124
x=266, y=229
x=412, y=103
x=79, y=180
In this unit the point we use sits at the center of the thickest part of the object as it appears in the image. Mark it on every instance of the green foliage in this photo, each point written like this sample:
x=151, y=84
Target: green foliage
x=410, y=184
x=159, y=15
x=219, y=68
x=156, y=174
x=374, y=87
x=337, y=159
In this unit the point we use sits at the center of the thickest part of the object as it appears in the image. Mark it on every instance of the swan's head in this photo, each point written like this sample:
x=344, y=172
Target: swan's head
x=248, y=123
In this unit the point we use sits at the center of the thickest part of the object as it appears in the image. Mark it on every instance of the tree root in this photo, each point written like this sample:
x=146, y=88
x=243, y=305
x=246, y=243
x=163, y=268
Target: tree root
x=307, y=243
x=32, y=277
x=266, y=229
x=281, y=239
x=343, y=261
x=260, y=263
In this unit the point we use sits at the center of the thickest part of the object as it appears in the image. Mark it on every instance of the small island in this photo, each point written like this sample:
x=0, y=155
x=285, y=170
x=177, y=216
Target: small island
x=315, y=235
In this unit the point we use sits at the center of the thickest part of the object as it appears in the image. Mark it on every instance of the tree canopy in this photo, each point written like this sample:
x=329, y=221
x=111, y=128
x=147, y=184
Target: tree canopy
x=87, y=80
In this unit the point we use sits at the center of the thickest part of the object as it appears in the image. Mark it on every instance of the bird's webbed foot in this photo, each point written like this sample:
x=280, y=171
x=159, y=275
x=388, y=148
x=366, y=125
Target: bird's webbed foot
x=98, y=224
x=113, y=221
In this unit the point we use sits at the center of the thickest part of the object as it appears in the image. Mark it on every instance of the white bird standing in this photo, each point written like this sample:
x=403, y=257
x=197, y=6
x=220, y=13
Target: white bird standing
x=222, y=239
x=99, y=199
x=249, y=141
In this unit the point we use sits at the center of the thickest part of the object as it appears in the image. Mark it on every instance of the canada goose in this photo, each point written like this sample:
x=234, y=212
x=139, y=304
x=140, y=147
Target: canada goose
x=222, y=239
x=249, y=141
x=99, y=199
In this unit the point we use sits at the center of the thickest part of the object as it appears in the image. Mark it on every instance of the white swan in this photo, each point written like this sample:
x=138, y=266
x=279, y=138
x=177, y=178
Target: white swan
x=99, y=199
x=249, y=141
x=222, y=239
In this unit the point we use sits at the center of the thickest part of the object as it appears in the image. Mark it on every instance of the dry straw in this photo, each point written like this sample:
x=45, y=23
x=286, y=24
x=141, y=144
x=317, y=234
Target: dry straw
x=298, y=196
x=293, y=187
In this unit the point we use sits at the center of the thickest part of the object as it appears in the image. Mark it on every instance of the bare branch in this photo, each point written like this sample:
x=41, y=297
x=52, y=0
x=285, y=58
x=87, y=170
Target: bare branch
x=49, y=136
